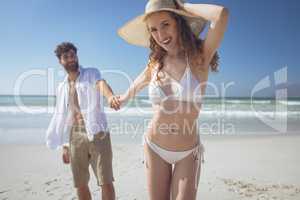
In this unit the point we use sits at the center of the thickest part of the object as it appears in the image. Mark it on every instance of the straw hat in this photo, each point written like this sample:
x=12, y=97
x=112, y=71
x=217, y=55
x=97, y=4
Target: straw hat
x=135, y=31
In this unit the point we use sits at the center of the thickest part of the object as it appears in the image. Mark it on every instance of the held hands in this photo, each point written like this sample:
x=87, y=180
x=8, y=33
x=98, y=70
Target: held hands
x=114, y=102
x=180, y=4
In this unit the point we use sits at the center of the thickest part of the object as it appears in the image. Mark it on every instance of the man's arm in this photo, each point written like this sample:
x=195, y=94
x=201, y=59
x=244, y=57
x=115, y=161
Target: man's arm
x=107, y=92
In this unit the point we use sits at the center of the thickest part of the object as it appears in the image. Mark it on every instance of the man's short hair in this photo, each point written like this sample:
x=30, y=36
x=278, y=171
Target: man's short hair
x=64, y=48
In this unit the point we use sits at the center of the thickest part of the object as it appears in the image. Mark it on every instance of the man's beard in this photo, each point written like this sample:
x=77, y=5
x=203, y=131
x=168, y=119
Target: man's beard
x=73, y=67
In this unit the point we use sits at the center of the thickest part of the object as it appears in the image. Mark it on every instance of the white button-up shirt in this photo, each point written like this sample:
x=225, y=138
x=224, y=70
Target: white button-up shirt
x=91, y=106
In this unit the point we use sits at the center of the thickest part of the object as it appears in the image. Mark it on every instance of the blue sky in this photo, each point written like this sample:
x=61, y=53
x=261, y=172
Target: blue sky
x=262, y=37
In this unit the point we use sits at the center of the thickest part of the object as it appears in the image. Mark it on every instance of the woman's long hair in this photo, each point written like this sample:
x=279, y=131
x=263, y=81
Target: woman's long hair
x=191, y=44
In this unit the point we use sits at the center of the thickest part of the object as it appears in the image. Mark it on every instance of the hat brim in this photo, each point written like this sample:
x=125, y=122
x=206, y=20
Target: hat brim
x=135, y=31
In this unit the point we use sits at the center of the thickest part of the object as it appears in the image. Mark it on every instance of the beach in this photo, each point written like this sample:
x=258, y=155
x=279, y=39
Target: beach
x=231, y=68
x=247, y=156
x=236, y=167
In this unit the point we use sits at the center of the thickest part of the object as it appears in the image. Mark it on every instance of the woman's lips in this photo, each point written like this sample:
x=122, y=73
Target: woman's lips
x=166, y=41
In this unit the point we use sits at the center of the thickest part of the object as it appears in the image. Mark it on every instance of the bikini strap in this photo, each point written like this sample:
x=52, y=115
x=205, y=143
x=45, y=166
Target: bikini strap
x=187, y=60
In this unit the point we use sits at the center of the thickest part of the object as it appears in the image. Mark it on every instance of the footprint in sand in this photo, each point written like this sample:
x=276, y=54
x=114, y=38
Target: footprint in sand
x=50, y=194
x=259, y=191
x=28, y=189
x=51, y=181
x=26, y=182
x=54, y=188
x=4, y=191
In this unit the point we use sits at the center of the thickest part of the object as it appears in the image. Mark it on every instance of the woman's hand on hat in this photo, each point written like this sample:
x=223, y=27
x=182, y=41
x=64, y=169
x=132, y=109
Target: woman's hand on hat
x=180, y=3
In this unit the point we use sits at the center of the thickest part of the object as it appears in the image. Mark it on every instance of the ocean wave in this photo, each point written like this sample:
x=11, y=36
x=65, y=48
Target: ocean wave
x=27, y=109
x=148, y=111
x=248, y=101
x=290, y=103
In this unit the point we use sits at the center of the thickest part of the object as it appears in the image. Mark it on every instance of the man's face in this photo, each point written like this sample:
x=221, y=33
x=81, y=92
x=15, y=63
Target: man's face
x=69, y=61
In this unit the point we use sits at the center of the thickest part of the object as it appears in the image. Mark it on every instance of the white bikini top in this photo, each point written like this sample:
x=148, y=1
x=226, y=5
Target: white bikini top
x=186, y=89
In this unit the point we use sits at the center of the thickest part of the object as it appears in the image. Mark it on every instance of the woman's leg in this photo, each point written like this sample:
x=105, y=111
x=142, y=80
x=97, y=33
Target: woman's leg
x=185, y=178
x=159, y=174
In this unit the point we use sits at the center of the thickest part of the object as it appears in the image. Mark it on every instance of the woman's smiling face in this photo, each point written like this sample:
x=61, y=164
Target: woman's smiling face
x=163, y=28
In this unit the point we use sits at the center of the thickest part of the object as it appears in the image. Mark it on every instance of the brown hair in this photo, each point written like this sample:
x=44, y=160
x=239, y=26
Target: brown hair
x=191, y=45
x=64, y=48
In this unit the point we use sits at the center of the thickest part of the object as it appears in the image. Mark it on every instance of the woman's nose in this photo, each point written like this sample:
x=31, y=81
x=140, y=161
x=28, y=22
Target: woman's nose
x=161, y=35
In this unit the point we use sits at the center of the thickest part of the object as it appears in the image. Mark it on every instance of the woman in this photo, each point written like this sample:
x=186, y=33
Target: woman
x=178, y=68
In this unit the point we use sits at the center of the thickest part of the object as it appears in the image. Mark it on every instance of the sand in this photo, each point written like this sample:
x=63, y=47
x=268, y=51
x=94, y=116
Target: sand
x=236, y=167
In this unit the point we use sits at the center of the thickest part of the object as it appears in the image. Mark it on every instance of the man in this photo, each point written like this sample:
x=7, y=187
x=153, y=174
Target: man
x=79, y=124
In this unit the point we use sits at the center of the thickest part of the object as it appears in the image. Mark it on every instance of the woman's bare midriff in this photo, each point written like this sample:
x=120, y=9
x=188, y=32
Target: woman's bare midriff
x=174, y=127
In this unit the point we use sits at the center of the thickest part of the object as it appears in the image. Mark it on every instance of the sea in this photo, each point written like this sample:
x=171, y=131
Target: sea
x=24, y=119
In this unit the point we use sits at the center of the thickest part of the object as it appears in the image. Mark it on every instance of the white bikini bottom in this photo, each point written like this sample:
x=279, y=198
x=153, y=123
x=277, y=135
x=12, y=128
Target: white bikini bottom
x=172, y=157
